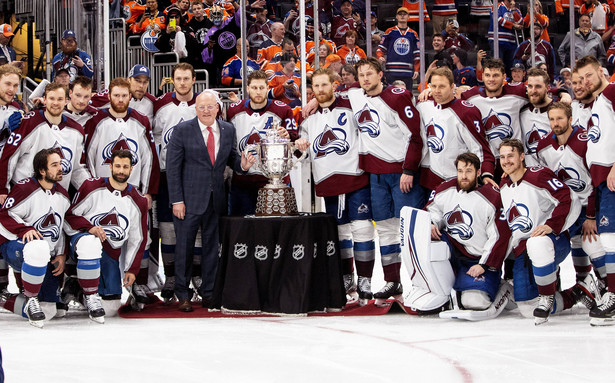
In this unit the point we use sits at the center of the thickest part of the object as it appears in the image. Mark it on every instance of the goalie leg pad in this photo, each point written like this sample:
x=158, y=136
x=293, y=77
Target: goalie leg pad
x=475, y=300
x=503, y=300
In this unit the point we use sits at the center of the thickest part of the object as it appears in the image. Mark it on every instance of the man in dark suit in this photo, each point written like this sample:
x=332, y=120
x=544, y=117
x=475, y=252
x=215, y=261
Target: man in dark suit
x=197, y=155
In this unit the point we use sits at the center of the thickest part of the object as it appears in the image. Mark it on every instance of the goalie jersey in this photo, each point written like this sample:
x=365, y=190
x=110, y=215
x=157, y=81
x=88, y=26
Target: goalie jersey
x=538, y=198
x=122, y=214
x=34, y=134
x=390, y=133
x=252, y=125
x=168, y=112
x=568, y=163
x=449, y=130
x=106, y=134
x=334, y=149
x=28, y=207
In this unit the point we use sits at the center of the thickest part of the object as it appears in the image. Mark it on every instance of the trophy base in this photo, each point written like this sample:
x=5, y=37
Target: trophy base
x=276, y=202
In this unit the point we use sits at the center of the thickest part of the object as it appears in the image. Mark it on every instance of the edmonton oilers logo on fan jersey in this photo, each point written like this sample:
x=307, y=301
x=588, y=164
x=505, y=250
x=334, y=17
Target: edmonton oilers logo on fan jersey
x=227, y=40
x=594, y=128
x=532, y=137
x=113, y=223
x=518, y=218
x=401, y=46
x=122, y=143
x=497, y=125
x=435, y=136
x=571, y=177
x=459, y=221
x=66, y=157
x=368, y=121
x=331, y=140
x=49, y=225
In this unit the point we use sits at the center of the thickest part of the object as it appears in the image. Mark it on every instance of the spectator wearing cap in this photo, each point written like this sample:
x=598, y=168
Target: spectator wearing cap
x=509, y=20
x=232, y=71
x=175, y=37
x=544, y=52
x=184, y=9
x=377, y=33
x=399, y=51
x=564, y=80
x=271, y=46
x=151, y=18
x=334, y=62
x=453, y=39
x=540, y=18
x=350, y=52
x=463, y=74
x=586, y=43
x=442, y=12
x=259, y=30
x=7, y=54
x=75, y=61
x=517, y=73
x=347, y=21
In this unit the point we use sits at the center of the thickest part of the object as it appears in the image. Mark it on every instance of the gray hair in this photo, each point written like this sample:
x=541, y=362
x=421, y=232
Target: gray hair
x=215, y=94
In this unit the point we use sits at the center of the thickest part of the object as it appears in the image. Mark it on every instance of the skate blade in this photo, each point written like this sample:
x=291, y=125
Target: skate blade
x=363, y=302
x=37, y=323
x=538, y=321
x=598, y=322
x=352, y=298
x=168, y=301
x=100, y=320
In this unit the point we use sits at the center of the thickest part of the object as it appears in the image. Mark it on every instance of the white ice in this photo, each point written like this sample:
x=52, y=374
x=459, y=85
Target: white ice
x=391, y=348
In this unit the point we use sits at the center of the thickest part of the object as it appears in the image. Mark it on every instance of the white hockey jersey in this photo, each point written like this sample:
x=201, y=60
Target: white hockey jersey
x=5, y=112
x=581, y=113
x=168, y=112
x=390, y=133
x=28, y=207
x=538, y=198
x=106, y=134
x=122, y=214
x=333, y=135
x=83, y=117
x=473, y=221
x=568, y=163
x=34, y=134
x=534, y=126
x=600, y=152
x=500, y=114
x=449, y=130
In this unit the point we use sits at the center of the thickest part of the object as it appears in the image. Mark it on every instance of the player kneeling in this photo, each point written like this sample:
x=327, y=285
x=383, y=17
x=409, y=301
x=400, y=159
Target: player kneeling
x=465, y=222
x=108, y=219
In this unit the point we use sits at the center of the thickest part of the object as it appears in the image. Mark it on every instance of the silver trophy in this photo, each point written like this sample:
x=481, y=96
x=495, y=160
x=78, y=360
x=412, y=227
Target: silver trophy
x=275, y=159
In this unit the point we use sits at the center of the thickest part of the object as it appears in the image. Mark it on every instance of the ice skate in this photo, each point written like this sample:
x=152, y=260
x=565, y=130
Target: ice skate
x=351, y=289
x=364, y=290
x=391, y=289
x=95, y=308
x=70, y=294
x=138, y=296
x=168, y=290
x=196, y=287
x=602, y=315
x=584, y=292
x=34, y=313
x=544, y=308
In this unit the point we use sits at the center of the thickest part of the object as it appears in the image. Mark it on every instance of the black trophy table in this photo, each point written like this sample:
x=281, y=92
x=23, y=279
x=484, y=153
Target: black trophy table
x=288, y=265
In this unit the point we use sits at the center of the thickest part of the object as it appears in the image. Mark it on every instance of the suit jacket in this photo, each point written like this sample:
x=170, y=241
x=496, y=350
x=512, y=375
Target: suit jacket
x=191, y=176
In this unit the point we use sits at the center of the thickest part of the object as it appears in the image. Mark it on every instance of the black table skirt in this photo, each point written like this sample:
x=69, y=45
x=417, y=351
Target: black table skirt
x=287, y=265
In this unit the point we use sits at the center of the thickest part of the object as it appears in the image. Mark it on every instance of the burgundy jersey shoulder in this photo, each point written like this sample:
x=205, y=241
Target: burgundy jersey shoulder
x=140, y=117
x=473, y=91
x=467, y=112
x=139, y=199
x=515, y=90
x=342, y=101
x=100, y=99
x=162, y=101
x=578, y=142
x=538, y=176
x=278, y=108
x=446, y=185
x=545, y=142
x=100, y=115
x=150, y=97
x=72, y=124
x=396, y=97
x=15, y=104
x=20, y=191
x=31, y=121
x=609, y=92
x=236, y=108
x=491, y=194
x=60, y=189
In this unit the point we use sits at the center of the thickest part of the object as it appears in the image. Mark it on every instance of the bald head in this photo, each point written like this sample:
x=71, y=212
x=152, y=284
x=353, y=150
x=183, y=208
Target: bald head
x=207, y=107
x=277, y=31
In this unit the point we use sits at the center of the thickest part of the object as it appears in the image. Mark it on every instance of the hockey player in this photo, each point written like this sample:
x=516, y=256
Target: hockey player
x=601, y=159
x=450, y=126
x=564, y=153
x=468, y=217
x=582, y=103
x=534, y=118
x=332, y=136
x=44, y=130
x=390, y=151
x=251, y=118
x=108, y=216
x=141, y=100
x=31, y=236
x=539, y=208
x=169, y=110
x=78, y=108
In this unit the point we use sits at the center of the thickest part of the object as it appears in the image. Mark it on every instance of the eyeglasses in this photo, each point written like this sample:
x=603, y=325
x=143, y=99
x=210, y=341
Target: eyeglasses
x=208, y=107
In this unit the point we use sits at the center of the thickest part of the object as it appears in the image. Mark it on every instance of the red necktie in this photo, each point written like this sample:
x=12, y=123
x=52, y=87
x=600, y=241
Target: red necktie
x=211, y=145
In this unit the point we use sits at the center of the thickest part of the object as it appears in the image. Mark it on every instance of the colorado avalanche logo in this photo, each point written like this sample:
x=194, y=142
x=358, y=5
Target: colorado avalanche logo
x=497, y=125
x=532, y=137
x=401, y=46
x=435, y=135
x=114, y=224
x=571, y=178
x=518, y=218
x=459, y=222
x=331, y=140
x=252, y=138
x=341, y=31
x=352, y=58
x=594, y=129
x=368, y=121
x=122, y=143
x=49, y=225
x=66, y=157
x=166, y=138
